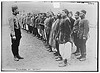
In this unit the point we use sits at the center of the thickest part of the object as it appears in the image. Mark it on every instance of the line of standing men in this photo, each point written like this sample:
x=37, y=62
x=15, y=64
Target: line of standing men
x=58, y=32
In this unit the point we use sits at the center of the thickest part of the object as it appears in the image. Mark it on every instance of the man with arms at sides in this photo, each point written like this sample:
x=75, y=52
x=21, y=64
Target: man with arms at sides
x=15, y=33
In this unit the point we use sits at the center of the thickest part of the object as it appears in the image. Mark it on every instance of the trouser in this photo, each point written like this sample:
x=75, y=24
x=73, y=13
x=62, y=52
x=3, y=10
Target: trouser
x=40, y=31
x=16, y=42
x=37, y=34
x=82, y=45
x=28, y=28
x=24, y=26
x=65, y=50
x=35, y=31
x=57, y=47
x=31, y=28
x=76, y=42
x=48, y=35
x=45, y=37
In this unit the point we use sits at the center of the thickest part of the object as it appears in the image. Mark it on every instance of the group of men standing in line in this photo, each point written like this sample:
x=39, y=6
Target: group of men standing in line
x=58, y=32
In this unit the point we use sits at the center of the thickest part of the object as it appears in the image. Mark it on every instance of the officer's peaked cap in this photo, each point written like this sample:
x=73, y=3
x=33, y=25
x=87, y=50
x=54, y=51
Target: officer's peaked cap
x=14, y=7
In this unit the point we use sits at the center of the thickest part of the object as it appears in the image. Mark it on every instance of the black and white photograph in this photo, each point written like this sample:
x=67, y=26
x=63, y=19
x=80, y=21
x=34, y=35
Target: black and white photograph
x=49, y=36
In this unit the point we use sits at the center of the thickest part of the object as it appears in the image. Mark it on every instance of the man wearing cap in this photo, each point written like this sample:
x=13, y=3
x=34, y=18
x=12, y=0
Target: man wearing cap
x=83, y=35
x=63, y=37
x=75, y=32
x=15, y=33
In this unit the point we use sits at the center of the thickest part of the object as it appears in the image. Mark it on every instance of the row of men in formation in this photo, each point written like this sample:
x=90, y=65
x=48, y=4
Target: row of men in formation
x=59, y=33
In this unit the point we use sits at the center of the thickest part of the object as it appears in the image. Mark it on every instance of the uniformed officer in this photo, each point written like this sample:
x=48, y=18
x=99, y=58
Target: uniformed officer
x=15, y=33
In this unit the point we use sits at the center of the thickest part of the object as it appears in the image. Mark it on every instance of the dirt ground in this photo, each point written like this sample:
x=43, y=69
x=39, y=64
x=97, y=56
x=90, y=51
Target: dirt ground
x=37, y=58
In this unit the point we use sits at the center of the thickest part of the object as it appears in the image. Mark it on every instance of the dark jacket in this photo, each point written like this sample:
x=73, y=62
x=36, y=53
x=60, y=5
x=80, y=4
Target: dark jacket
x=83, y=28
x=72, y=22
x=76, y=26
x=64, y=31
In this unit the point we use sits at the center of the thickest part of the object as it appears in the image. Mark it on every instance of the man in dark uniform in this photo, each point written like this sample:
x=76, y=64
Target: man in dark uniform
x=83, y=34
x=15, y=33
x=75, y=32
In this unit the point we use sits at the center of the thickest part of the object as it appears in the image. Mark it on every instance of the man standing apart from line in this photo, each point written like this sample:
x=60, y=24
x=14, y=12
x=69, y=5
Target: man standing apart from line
x=15, y=33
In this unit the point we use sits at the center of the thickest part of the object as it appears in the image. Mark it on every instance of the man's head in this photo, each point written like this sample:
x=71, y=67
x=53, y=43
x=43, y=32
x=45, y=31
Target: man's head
x=77, y=15
x=47, y=14
x=15, y=10
x=50, y=14
x=58, y=15
x=70, y=14
x=65, y=12
x=82, y=13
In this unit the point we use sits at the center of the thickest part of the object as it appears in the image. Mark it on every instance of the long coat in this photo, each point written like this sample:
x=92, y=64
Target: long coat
x=48, y=24
x=54, y=30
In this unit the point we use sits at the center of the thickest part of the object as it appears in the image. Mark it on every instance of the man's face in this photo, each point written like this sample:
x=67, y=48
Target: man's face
x=16, y=11
x=81, y=14
x=70, y=15
x=76, y=16
x=63, y=14
x=47, y=14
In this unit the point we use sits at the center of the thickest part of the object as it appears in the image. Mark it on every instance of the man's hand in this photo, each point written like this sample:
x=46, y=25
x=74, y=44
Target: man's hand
x=57, y=38
x=84, y=38
x=14, y=37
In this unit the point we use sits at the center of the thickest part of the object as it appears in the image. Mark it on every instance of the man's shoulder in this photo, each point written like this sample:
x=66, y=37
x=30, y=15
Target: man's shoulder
x=77, y=20
x=67, y=20
x=47, y=20
x=72, y=19
x=10, y=18
x=84, y=20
